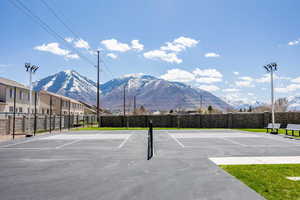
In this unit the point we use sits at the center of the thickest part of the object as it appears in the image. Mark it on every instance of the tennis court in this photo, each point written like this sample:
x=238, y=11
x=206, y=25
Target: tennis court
x=114, y=165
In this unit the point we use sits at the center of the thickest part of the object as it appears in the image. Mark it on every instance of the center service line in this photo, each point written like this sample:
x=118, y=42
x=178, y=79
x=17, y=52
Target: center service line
x=176, y=140
x=124, y=141
x=66, y=144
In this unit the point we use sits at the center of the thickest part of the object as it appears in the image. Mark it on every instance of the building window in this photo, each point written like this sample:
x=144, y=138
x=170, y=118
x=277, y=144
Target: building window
x=20, y=110
x=11, y=93
x=21, y=95
x=43, y=111
x=11, y=109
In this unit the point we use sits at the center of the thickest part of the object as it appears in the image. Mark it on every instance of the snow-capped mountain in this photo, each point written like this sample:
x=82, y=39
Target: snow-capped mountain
x=71, y=84
x=151, y=92
x=241, y=104
x=293, y=103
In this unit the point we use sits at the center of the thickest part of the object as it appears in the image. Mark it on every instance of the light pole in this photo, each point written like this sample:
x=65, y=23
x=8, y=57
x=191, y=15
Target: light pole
x=31, y=69
x=271, y=68
x=98, y=87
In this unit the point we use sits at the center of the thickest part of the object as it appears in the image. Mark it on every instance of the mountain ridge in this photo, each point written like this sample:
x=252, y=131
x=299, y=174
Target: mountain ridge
x=151, y=92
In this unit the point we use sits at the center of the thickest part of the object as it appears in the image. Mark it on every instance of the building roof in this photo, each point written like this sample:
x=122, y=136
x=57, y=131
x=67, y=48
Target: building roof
x=12, y=83
x=60, y=96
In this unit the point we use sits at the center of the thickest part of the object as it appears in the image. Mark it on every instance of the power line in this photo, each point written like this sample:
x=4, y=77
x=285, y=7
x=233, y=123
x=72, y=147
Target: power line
x=18, y=4
x=59, y=19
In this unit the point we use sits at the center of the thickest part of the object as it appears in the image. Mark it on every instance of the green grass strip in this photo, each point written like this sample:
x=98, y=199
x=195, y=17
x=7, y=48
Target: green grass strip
x=269, y=180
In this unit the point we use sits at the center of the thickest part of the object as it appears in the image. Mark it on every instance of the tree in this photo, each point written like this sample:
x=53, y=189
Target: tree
x=210, y=109
x=250, y=109
x=141, y=110
x=241, y=110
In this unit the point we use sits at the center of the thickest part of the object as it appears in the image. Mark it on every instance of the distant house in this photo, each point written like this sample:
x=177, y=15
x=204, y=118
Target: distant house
x=8, y=88
x=59, y=104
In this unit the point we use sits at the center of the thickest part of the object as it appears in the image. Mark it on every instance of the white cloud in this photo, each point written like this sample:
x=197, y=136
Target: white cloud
x=266, y=78
x=210, y=88
x=72, y=56
x=211, y=55
x=244, y=84
x=208, y=72
x=231, y=90
x=69, y=39
x=294, y=42
x=208, y=79
x=185, y=41
x=170, y=50
x=112, y=55
x=179, y=44
x=236, y=73
x=136, y=45
x=80, y=43
x=162, y=55
x=55, y=49
x=296, y=80
x=245, y=81
x=178, y=75
x=250, y=94
x=207, y=75
x=246, y=78
x=289, y=88
x=115, y=45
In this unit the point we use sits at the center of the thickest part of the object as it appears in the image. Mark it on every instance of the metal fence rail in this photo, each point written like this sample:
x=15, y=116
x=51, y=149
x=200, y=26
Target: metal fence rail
x=21, y=124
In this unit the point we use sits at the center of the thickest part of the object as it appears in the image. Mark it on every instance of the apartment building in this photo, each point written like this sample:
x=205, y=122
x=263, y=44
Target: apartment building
x=8, y=89
x=58, y=103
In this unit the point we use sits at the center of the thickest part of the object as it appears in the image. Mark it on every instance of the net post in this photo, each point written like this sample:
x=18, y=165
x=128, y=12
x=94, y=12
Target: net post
x=150, y=141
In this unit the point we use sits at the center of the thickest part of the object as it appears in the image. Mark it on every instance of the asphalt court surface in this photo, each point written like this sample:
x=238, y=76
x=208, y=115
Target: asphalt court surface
x=113, y=165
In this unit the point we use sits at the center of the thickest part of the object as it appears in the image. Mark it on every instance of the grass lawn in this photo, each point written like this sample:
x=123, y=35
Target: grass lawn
x=262, y=130
x=269, y=180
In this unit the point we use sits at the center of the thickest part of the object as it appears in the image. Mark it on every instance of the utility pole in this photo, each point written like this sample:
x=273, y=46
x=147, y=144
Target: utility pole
x=98, y=85
x=134, y=105
x=201, y=98
x=31, y=69
x=124, y=101
x=272, y=67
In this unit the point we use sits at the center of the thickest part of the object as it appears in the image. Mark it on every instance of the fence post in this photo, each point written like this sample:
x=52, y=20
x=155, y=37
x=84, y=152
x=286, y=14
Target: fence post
x=60, y=113
x=83, y=121
x=45, y=123
x=24, y=124
x=35, y=113
x=8, y=124
x=50, y=123
x=54, y=124
x=229, y=120
x=69, y=121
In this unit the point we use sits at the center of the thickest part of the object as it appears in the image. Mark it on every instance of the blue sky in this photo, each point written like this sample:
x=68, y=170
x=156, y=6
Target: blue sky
x=217, y=45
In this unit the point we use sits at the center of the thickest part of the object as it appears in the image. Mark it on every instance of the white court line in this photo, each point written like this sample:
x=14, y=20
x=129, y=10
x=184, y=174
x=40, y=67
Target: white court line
x=124, y=141
x=176, y=140
x=23, y=142
x=25, y=148
x=66, y=144
x=234, y=142
x=256, y=160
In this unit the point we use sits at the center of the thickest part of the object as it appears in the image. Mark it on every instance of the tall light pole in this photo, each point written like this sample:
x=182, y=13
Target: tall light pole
x=271, y=68
x=98, y=85
x=31, y=69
